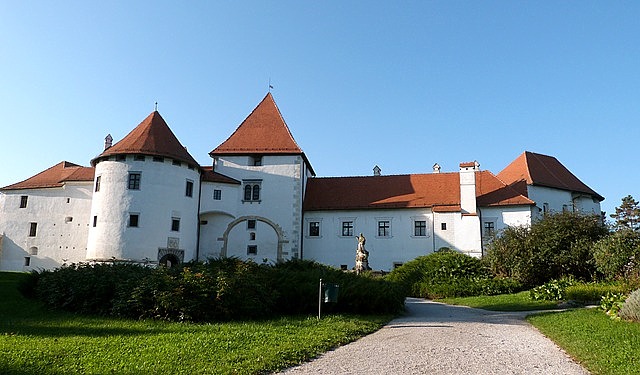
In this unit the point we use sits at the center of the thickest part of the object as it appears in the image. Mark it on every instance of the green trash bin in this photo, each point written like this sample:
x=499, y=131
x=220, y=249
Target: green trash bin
x=331, y=292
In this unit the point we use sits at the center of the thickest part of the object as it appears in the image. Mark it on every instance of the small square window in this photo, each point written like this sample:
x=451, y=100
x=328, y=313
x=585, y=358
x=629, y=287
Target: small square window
x=27, y=261
x=33, y=228
x=314, y=229
x=189, y=189
x=121, y=157
x=251, y=224
x=133, y=220
x=489, y=228
x=158, y=159
x=217, y=194
x=134, y=180
x=252, y=236
x=443, y=226
x=420, y=228
x=384, y=228
x=175, y=224
x=347, y=228
x=23, y=201
x=252, y=250
x=256, y=161
x=177, y=162
x=139, y=157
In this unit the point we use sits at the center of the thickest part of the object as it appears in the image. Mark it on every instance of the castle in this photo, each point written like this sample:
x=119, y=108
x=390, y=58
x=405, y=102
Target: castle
x=145, y=199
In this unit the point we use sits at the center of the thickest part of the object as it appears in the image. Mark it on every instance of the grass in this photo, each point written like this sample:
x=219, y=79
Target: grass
x=602, y=345
x=504, y=302
x=34, y=340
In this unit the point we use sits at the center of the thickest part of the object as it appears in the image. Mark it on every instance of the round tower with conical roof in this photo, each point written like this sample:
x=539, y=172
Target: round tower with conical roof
x=145, y=199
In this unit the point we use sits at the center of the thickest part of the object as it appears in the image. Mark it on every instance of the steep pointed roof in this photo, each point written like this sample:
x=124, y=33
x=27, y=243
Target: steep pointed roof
x=439, y=191
x=55, y=176
x=542, y=170
x=264, y=131
x=151, y=137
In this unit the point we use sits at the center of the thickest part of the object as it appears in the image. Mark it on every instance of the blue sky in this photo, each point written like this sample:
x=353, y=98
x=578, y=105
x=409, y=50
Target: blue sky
x=399, y=84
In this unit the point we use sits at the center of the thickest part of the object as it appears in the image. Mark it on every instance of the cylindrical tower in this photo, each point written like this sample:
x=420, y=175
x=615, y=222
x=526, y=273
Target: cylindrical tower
x=145, y=199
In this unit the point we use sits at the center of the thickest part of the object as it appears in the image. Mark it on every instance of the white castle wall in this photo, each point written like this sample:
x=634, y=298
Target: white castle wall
x=62, y=217
x=161, y=197
x=561, y=199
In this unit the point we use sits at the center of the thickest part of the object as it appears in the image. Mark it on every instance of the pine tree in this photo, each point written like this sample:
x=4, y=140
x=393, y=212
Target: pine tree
x=627, y=216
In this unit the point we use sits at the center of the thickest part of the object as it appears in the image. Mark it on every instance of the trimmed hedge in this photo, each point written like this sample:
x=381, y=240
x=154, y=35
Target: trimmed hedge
x=216, y=290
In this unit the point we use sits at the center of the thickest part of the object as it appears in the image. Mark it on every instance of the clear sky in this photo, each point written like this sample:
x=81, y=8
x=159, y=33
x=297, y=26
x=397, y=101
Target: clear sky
x=400, y=84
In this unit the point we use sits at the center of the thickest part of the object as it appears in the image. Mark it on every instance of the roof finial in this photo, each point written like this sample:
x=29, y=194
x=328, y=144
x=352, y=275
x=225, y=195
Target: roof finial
x=156, y=108
x=270, y=87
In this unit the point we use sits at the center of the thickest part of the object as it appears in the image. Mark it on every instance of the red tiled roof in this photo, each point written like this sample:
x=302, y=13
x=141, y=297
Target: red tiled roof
x=151, y=137
x=542, y=170
x=210, y=176
x=55, y=176
x=440, y=191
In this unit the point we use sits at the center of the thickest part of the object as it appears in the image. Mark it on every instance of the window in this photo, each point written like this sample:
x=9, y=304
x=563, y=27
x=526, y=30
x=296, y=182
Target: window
x=133, y=220
x=347, y=228
x=23, y=201
x=189, y=189
x=314, y=228
x=121, y=157
x=33, y=251
x=138, y=157
x=252, y=250
x=33, y=228
x=95, y=221
x=443, y=226
x=420, y=228
x=251, y=224
x=384, y=228
x=252, y=236
x=565, y=208
x=217, y=194
x=68, y=219
x=252, y=191
x=175, y=224
x=134, y=180
x=158, y=159
x=489, y=228
x=256, y=161
x=97, y=184
x=27, y=261
x=177, y=162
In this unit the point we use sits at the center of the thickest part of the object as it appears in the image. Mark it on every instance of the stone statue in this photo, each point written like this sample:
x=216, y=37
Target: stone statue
x=362, y=255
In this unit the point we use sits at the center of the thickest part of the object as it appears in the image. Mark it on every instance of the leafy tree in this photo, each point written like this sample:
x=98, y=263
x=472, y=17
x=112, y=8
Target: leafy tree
x=627, y=215
x=557, y=245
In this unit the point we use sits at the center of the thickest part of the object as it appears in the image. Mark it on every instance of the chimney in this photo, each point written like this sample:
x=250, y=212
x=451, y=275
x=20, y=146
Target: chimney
x=436, y=168
x=376, y=171
x=468, y=186
x=108, y=141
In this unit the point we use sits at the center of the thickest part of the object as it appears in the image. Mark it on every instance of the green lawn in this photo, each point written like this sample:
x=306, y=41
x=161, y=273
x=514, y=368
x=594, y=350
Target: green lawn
x=36, y=341
x=504, y=302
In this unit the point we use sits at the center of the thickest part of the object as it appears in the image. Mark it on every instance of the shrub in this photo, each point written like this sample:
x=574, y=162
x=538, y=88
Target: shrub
x=449, y=274
x=553, y=290
x=617, y=255
x=556, y=246
x=591, y=292
x=611, y=303
x=630, y=309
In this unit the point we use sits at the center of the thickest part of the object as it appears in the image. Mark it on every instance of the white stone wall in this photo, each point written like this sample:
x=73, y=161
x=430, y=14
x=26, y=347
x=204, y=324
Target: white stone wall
x=62, y=217
x=558, y=200
x=161, y=197
x=281, y=179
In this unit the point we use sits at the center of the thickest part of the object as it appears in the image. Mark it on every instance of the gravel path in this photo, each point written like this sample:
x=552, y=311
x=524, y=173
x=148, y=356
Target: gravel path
x=434, y=338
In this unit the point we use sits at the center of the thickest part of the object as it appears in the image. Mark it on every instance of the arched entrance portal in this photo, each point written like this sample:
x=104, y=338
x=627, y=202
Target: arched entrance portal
x=278, y=231
x=169, y=261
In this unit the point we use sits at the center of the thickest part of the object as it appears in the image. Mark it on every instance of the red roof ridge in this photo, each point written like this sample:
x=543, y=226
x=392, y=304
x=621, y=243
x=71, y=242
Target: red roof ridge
x=55, y=176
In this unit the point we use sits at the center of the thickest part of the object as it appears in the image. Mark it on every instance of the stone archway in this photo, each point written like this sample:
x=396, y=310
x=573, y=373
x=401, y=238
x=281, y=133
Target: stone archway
x=169, y=260
x=281, y=240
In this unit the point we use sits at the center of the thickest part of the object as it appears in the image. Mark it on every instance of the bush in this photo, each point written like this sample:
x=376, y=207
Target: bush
x=559, y=245
x=553, y=290
x=449, y=274
x=591, y=292
x=617, y=255
x=631, y=307
x=611, y=303
x=217, y=290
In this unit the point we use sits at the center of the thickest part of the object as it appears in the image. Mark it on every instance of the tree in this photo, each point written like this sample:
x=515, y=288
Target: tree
x=627, y=216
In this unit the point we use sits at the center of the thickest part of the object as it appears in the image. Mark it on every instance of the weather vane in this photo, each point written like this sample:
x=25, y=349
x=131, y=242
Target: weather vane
x=270, y=87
